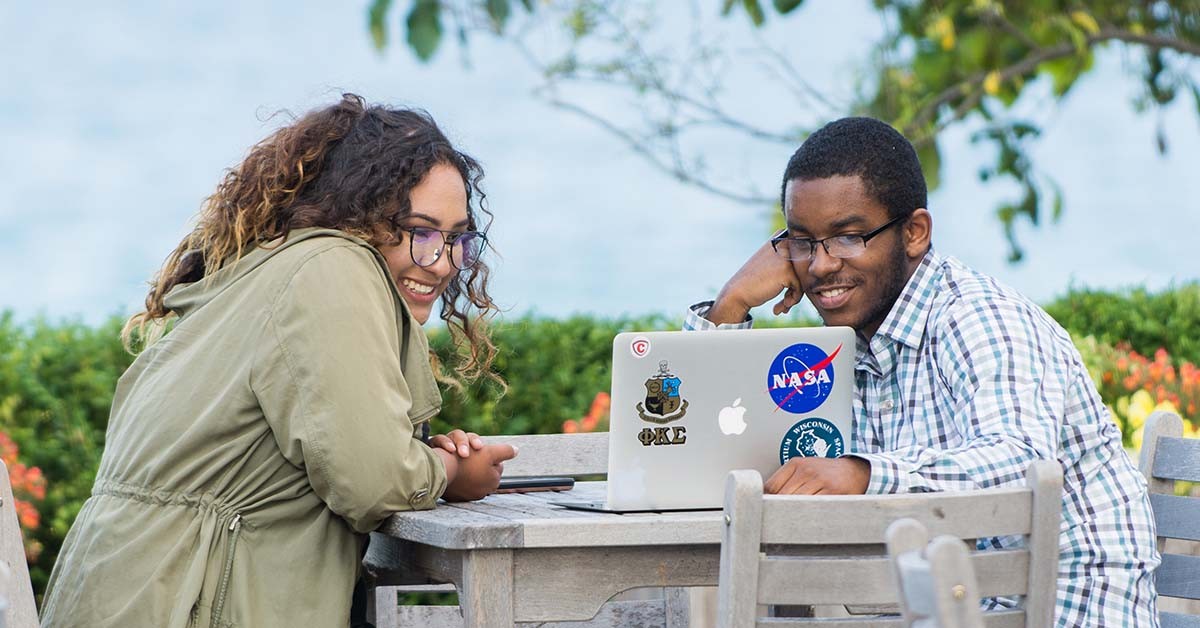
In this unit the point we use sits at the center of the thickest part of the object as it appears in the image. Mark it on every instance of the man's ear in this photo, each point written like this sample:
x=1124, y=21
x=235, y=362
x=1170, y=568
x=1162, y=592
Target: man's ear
x=918, y=233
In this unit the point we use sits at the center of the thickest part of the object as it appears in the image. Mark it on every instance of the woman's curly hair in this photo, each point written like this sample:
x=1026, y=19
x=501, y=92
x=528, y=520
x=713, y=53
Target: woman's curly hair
x=349, y=167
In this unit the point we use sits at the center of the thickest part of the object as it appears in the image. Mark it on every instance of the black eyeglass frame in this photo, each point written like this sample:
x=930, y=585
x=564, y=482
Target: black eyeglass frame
x=812, y=244
x=448, y=240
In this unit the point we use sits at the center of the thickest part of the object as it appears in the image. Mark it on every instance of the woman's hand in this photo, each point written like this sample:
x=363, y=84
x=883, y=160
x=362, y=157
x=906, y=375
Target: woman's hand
x=458, y=442
x=478, y=475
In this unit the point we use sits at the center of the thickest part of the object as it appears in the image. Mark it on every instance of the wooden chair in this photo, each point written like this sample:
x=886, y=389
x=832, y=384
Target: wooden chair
x=936, y=581
x=819, y=550
x=574, y=455
x=16, y=591
x=1168, y=457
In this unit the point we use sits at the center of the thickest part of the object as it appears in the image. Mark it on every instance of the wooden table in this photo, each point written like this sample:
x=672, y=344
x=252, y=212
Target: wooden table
x=519, y=558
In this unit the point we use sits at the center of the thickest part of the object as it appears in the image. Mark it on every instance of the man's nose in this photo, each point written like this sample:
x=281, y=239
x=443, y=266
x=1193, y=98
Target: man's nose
x=822, y=263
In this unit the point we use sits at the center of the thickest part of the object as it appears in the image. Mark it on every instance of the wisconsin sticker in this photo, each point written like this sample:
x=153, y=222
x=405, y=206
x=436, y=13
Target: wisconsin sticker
x=801, y=378
x=811, y=438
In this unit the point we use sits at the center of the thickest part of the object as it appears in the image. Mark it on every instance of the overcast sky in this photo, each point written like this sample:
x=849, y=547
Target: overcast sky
x=117, y=119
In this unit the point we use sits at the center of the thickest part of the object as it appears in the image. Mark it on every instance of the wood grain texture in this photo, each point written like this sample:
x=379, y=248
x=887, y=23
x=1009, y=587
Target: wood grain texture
x=1158, y=425
x=869, y=580
x=1179, y=576
x=556, y=454
x=486, y=590
x=1045, y=479
x=1178, y=620
x=17, y=589
x=845, y=519
x=906, y=540
x=1177, y=517
x=1177, y=459
x=741, y=541
x=823, y=569
x=572, y=583
x=956, y=592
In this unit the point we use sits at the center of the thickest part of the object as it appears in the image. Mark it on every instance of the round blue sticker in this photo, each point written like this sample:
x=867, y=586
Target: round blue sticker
x=811, y=438
x=801, y=378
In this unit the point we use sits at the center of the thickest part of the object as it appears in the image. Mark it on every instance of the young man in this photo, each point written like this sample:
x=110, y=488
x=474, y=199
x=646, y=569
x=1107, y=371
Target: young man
x=961, y=382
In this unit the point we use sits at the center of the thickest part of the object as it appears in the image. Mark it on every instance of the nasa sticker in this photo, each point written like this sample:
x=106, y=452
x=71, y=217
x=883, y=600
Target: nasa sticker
x=801, y=378
x=811, y=438
x=640, y=347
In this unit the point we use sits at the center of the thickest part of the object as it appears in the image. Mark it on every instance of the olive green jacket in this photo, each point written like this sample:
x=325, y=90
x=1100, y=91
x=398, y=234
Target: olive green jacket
x=252, y=448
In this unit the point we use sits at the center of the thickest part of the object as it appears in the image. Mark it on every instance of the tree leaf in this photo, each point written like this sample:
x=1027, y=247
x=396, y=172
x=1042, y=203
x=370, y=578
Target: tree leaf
x=754, y=9
x=376, y=22
x=498, y=10
x=726, y=6
x=424, y=24
x=787, y=6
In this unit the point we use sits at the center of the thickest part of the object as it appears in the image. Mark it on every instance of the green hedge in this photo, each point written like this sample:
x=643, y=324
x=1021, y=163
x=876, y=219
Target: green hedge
x=57, y=380
x=1145, y=320
x=56, y=386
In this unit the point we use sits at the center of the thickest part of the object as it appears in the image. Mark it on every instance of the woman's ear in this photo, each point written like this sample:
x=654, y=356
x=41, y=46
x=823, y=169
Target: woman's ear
x=918, y=233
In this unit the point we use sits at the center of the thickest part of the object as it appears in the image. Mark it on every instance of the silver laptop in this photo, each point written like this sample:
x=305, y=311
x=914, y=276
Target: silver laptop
x=689, y=407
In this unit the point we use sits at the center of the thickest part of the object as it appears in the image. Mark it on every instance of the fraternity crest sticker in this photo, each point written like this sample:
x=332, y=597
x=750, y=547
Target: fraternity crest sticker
x=663, y=402
x=811, y=438
x=801, y=378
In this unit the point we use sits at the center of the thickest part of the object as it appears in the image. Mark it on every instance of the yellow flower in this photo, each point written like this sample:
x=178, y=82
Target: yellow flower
x=991, y=83
x=942, y=29
x=1085, y=21
x=1141, y=404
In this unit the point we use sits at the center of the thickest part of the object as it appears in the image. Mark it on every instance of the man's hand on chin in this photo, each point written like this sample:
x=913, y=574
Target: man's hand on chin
x=820, y=476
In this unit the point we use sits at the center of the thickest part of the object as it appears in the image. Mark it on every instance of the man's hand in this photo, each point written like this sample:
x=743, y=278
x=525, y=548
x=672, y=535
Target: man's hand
x=820, y=476
x=760, y=279
x=479, y=475
x=458, y=442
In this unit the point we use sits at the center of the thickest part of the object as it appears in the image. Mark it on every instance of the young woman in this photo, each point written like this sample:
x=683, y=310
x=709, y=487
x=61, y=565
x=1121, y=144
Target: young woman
x=252, y=447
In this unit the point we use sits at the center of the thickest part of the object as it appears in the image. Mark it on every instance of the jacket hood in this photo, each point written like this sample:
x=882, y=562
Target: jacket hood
x=186, y=298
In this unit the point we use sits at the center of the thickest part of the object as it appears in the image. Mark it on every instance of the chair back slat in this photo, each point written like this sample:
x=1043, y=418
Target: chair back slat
x=869, y=580
x=850, y=519
x=17, y=589
x=1177, y=517
x=1179, y=576
x=819, y=550
x=1177, y=459
x=556, y=454
x=1178, y=620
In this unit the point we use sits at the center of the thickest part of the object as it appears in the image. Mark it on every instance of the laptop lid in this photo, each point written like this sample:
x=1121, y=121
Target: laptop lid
x=688, y=407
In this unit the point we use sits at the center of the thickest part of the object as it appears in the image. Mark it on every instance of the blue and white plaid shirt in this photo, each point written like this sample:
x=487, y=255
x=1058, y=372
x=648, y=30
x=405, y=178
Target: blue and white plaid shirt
x=966, y=383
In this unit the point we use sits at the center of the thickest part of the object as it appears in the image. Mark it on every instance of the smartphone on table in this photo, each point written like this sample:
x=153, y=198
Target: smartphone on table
x=529, y=485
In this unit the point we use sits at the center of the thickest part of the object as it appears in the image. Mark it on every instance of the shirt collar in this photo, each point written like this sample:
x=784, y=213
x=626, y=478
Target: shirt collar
x=905, y=324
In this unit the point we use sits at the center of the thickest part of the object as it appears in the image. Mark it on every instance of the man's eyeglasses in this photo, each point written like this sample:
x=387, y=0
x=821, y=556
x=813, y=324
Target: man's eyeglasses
x=840, y=246
x=426, y=246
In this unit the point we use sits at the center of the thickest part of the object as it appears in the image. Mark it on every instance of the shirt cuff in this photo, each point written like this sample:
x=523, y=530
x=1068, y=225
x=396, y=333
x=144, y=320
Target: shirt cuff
x=886, y=474
x=695, y=321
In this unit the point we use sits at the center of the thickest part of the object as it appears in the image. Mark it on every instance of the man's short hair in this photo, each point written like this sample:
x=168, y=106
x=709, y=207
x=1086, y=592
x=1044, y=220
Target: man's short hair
x=870, y=149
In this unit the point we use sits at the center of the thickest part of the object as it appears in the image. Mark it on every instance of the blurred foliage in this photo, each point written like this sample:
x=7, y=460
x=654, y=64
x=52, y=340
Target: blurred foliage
x=1144, y=321
x=57, y=381
x=939, y=63
x=29, y=487
x=56, y=386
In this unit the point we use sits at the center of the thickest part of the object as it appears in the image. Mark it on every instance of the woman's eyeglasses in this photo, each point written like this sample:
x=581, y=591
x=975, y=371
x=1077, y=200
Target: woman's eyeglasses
x=427, y=245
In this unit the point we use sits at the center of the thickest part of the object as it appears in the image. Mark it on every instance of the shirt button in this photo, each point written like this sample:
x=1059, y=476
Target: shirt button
x=887, y=404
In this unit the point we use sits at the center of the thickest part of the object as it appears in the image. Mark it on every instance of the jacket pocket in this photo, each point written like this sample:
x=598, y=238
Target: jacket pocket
x=218, y=608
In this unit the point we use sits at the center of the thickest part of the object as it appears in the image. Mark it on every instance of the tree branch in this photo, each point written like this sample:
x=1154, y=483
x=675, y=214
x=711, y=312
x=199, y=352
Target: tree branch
x=971, y=88
x=638, y=146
